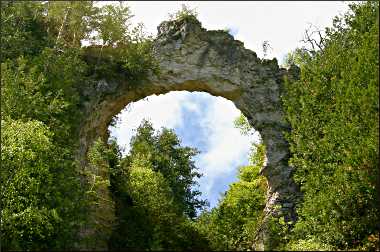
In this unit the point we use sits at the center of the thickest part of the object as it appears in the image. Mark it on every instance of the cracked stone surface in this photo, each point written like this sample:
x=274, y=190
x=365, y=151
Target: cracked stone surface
x=194, y=59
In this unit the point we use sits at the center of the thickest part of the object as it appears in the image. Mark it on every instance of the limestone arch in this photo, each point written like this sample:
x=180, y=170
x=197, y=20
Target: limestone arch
x=194, y=59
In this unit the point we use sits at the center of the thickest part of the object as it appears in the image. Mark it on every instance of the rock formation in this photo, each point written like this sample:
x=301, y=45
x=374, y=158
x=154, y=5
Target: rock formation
x=194, y=59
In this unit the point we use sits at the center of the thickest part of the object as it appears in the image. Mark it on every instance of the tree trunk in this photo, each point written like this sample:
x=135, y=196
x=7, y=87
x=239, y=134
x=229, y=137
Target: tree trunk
x=62, y=26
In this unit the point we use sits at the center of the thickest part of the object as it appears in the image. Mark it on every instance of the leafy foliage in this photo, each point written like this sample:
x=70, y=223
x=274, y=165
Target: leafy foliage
x=39, y=190
x=173, y=161
x=153, y=191
x=23, y=31
x=146, y=200
x=333, y=110
x=101, y=207
x=44, y=70
x=235, y=222
x=185, y=13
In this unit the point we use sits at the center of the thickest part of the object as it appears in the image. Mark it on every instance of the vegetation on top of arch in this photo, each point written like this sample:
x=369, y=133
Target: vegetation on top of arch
x=127, y=61
x=185, y=14
x=333, y=110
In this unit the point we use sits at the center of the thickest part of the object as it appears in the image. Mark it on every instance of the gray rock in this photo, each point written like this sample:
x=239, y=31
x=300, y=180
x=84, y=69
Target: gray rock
x=194, y=59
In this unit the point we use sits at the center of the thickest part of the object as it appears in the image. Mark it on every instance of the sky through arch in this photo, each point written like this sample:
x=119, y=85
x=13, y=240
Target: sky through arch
x=200, y=120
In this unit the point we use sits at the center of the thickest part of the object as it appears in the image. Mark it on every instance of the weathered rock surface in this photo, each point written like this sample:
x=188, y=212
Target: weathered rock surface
x=194, y=59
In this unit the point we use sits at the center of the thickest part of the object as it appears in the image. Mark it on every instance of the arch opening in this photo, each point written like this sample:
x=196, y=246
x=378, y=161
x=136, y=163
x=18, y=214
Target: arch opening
x=190, y=58
x=201, y=121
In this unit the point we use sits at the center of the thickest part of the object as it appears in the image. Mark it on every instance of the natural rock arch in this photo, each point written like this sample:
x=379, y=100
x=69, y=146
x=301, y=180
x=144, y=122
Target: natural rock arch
x=194, y=59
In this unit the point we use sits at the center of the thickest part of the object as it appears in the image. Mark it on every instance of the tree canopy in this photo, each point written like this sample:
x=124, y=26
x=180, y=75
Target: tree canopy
x=333, y=110
x=51, y=52
x=154, y=187
x=44, y=70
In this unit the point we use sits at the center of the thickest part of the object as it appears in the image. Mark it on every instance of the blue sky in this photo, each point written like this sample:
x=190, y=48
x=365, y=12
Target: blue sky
x=200, y=120
x=204, y=121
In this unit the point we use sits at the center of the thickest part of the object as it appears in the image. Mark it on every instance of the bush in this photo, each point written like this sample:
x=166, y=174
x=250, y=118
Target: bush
x=333, y=110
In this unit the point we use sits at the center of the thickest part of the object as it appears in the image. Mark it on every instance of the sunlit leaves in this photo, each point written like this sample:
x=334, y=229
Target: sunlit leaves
x=154, y=194
x=235, y=222
x=175, y=162
x=32, y=210
x=333, y=110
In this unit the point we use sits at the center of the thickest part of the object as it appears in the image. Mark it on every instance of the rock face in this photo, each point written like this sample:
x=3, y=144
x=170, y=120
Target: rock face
x=194, y=59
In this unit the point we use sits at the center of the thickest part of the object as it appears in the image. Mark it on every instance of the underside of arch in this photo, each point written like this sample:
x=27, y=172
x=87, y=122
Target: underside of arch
x=193, y=59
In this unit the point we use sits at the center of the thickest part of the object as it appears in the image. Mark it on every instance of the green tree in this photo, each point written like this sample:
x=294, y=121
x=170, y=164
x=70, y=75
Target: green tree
x=153, y=191
x=333, y=110
x=39, y=193
x=184, y=13
x=235, y=222
x=22, y=29
x=173, y=161
x=69, y=22
x=101, y=216
x=44, y=74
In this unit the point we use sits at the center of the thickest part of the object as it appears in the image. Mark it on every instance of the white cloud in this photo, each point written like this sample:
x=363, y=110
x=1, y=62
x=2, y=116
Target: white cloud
x=227, y=148
x=281, y=23
x=161, y=110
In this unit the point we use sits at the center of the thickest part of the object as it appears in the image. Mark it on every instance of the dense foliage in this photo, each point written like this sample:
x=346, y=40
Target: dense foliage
x=334, y=111
x=40, y=190
x=44, y=69
x=148, y=199
x=155, y=194
x=156, y=201
x=235, y=222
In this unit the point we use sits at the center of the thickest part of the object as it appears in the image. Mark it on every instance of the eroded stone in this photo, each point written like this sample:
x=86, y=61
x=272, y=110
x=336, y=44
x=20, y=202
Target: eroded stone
x=194, y=59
